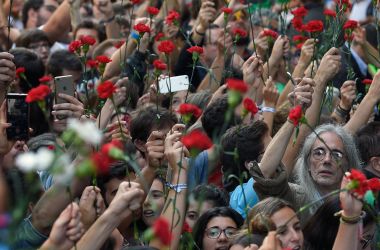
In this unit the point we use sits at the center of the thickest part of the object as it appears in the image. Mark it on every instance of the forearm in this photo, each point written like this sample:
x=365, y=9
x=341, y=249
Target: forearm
x=118, y=58
x=198, y=33
x=275, y=150
x=268, y=117
x=274, y=65
x=175, y=209
x=99, y=232
x=112, y=29
x=105, y=115
x=146, y=178
x=59, y=23
x=214, y=77
x=347, y=237
x=312, y=116
x=75, y=14
x=362, y=114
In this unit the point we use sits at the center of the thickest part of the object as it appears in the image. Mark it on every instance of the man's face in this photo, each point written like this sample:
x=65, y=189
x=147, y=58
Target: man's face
x=326, y=168
x=210, y=48
x=44, y=13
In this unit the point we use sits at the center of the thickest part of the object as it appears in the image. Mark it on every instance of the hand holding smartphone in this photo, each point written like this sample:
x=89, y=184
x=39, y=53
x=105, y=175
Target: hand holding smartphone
x=18, y=116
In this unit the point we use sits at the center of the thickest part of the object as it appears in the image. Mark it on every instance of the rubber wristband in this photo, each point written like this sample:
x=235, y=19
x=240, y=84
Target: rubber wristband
x=268, y=109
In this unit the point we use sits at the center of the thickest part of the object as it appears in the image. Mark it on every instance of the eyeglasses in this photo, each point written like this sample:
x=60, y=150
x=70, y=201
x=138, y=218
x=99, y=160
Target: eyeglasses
x=320, y=153
x=215, y=232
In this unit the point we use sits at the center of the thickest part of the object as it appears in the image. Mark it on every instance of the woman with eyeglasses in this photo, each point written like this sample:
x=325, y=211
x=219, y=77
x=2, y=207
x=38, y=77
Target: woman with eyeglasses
x=216, y=228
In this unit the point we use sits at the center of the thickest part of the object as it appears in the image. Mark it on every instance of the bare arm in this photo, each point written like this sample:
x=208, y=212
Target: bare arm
x=329, y=66
x=366, y=107
x=59, y=23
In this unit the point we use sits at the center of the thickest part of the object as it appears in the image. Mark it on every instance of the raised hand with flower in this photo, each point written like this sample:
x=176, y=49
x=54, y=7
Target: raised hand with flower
x=280, y=50
x=206, y=16
x=252, y=71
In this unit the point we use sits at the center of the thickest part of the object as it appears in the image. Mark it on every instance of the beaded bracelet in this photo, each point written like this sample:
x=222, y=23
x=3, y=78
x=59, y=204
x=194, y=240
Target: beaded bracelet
x=350, y=219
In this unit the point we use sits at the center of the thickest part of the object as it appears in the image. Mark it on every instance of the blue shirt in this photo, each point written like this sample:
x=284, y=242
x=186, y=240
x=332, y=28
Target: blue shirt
x=237, y=201
x=198, y=170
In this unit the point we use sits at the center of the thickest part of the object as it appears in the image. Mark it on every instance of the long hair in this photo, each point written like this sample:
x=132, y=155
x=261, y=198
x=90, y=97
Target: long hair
x=302, y=166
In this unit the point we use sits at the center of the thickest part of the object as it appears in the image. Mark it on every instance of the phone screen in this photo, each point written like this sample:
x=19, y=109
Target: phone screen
x=18, y=116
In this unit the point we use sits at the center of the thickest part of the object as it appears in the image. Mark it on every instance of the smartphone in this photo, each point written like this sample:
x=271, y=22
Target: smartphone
x=173, y=84
x=18, y=116
x=63, y=85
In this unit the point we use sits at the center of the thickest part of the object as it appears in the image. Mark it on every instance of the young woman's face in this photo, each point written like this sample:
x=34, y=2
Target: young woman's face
x=219, y=233
x=195, y=210
x=290, y=235
x=153, y=203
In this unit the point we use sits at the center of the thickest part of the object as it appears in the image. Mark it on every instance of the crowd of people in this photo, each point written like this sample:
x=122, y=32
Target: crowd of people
x=202, y=124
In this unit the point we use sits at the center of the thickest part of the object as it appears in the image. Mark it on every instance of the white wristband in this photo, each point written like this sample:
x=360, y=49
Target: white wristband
x=268, y=109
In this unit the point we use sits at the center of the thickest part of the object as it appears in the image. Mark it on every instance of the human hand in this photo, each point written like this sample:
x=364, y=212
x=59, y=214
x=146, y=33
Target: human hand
x=302, y=93
x=348, y=95
x=7, y=70
x=350, y=202
x=155, y=148
x=261, y=44
x=72, y=108
x=374, y=88
x=18, y=147
x=91, y=205
x=174, y=149
x=67, y=229
x=252, y=71
x=359, y=36
x=224, y=43
x=270, y=93
x=271, y=242
x=307, y=51
x=236, y=5
x=217, y=94
x=121, y=92
x=170, y=30
x=207, y=14
x=5, y=144
x=329, y=65
x=280, y=49
x=128, y=198
x=113, y=132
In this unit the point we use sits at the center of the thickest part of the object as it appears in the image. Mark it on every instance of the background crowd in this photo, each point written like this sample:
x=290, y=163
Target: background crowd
x=274, y=143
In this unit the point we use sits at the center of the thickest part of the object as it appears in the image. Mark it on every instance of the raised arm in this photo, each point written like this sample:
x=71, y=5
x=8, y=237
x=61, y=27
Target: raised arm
x=329, y=66
x=366, y=107
x=59, y=23
x=176, y=200
x=128, y=199
x=347, y=236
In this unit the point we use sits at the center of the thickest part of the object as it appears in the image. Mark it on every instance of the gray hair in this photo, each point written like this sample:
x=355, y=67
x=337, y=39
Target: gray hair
x=302, y=166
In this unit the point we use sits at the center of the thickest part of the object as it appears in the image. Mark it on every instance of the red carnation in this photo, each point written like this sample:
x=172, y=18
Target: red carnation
x=196, y=141
x=239, y=33
x=343, y=4
x=38, y=93
x=134, y=2
x=295, y=115
x=350, y=25
x=374, y=184
x=299, y=12
x=103, y=59
x=297, y=24
x=20, y=72
x=45, y=79
x=250, y=106
x=314, y=26
x=237, y=85
x=186, y=228
x=195, y=51
x=166, y=47
x=270, y=34
x=159, y=65
x=152, y=10
x=172, y=17
x=88, y=40
x=75, y=46
x=367, y=81
x=92, y=63
x=161, y=231
x=328, y=12
x=189, y=110
x=107, y=148
x=101, y=162
x=141, y=28
x=159, y=36
x=299, y=38
x=106, y=89
x=226, y=10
